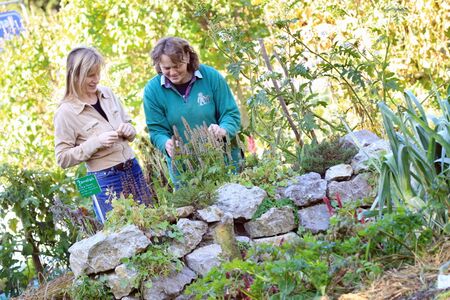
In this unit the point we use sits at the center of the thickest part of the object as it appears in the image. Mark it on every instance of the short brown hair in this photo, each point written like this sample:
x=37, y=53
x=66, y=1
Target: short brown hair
x=176, y=48
x=80, y=62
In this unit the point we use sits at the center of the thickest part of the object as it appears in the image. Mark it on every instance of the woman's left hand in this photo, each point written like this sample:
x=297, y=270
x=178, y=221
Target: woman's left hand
x=126, y=130
x=218, y=131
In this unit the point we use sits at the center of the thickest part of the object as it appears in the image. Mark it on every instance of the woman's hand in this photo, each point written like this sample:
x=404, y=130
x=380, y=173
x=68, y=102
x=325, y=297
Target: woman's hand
x=218, y=131
x=169, y=147
x=126, y=130
x=107, y=139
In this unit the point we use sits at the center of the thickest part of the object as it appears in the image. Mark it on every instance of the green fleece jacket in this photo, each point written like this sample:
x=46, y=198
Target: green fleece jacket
x=210, y=100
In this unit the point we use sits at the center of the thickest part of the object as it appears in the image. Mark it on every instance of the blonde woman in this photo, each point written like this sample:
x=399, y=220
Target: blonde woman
x=91, y=126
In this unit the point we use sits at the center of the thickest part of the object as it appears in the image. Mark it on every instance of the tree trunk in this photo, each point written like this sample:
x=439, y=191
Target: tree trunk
x=35, y=257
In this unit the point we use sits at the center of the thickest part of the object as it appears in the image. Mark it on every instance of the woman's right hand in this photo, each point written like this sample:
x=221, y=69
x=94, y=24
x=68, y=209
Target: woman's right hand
x=169, y=147
x=107, y=139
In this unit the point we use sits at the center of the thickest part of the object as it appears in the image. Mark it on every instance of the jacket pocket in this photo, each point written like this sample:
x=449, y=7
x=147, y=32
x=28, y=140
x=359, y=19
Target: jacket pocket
x=92, y=127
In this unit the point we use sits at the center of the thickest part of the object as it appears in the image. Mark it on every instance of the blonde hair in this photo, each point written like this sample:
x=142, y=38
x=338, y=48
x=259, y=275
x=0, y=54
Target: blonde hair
x=177, y=49
x=80, y=62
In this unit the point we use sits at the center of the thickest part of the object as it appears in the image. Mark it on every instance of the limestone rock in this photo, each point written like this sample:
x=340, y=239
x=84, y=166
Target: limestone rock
x=374, y=150
x=210, y=214
x=244, y=239
x=121, y=281
x=103, y=251
x=315, y=218
x=240, y=201
x=201, y=260
x=185, y=211
x=130, y=298
x=193, y=232
x=225, y=237
x=169, y=287
x=363, y=138
x=290, y=237
x=308, y=189
x=272, y=222
x=355, y=189
x=339, y=172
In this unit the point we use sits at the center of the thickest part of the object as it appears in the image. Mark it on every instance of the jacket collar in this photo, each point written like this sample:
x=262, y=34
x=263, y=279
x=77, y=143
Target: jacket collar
x=78, y=105
x=167, y=84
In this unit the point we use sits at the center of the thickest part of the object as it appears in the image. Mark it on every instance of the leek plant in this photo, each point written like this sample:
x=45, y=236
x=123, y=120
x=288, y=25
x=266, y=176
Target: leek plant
x=416, y=174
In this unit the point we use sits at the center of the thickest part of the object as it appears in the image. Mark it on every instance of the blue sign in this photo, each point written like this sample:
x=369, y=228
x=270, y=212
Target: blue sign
x=10, y=24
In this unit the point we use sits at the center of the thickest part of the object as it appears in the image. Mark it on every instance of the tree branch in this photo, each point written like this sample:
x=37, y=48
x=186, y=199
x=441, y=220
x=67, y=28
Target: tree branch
x=280, y=98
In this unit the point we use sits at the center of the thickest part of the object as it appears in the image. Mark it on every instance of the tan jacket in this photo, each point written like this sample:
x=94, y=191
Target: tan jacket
x=77, y=126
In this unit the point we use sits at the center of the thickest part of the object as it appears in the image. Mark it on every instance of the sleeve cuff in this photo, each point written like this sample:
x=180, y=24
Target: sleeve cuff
x=91, y=146
x=229, y=131
x=162, y=146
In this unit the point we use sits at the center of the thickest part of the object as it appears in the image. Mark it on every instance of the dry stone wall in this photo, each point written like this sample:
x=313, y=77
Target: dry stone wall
x=200, y=249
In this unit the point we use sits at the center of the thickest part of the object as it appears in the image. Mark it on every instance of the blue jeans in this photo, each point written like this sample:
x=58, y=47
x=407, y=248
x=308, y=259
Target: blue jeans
x=128, y=180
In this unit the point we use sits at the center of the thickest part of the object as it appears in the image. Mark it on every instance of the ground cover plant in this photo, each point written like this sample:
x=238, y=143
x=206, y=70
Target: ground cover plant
x=319, y=265
x=267, y=172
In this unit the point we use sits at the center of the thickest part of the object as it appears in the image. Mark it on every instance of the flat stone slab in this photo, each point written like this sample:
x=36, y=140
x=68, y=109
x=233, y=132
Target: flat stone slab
x=306, y=190
x=273, y=222
x=278, y=240
x=239, y=201
x=315, y=218
x=201, y=260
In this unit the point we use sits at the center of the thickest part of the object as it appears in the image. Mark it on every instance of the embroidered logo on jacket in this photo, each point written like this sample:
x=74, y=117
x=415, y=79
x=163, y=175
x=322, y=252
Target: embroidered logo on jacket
x=202, y=99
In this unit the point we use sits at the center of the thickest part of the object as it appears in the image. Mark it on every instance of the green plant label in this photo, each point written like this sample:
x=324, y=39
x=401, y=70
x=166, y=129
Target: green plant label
x=88, y=185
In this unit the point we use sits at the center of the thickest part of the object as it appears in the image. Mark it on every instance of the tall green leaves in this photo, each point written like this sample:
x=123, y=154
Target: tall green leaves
x=417, y=172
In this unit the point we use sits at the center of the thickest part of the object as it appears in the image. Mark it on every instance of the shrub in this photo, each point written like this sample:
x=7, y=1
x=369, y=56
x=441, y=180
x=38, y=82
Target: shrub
x=203, y=164
x=318, y=157
x=203, y=157
x=29, y=231
x=127, y=211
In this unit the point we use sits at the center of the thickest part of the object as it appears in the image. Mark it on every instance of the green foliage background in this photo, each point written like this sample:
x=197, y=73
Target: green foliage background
x=33, y=64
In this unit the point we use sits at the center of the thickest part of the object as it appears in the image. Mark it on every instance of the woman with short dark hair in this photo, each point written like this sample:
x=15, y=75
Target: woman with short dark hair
x=178, y=50
x=184, y=88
